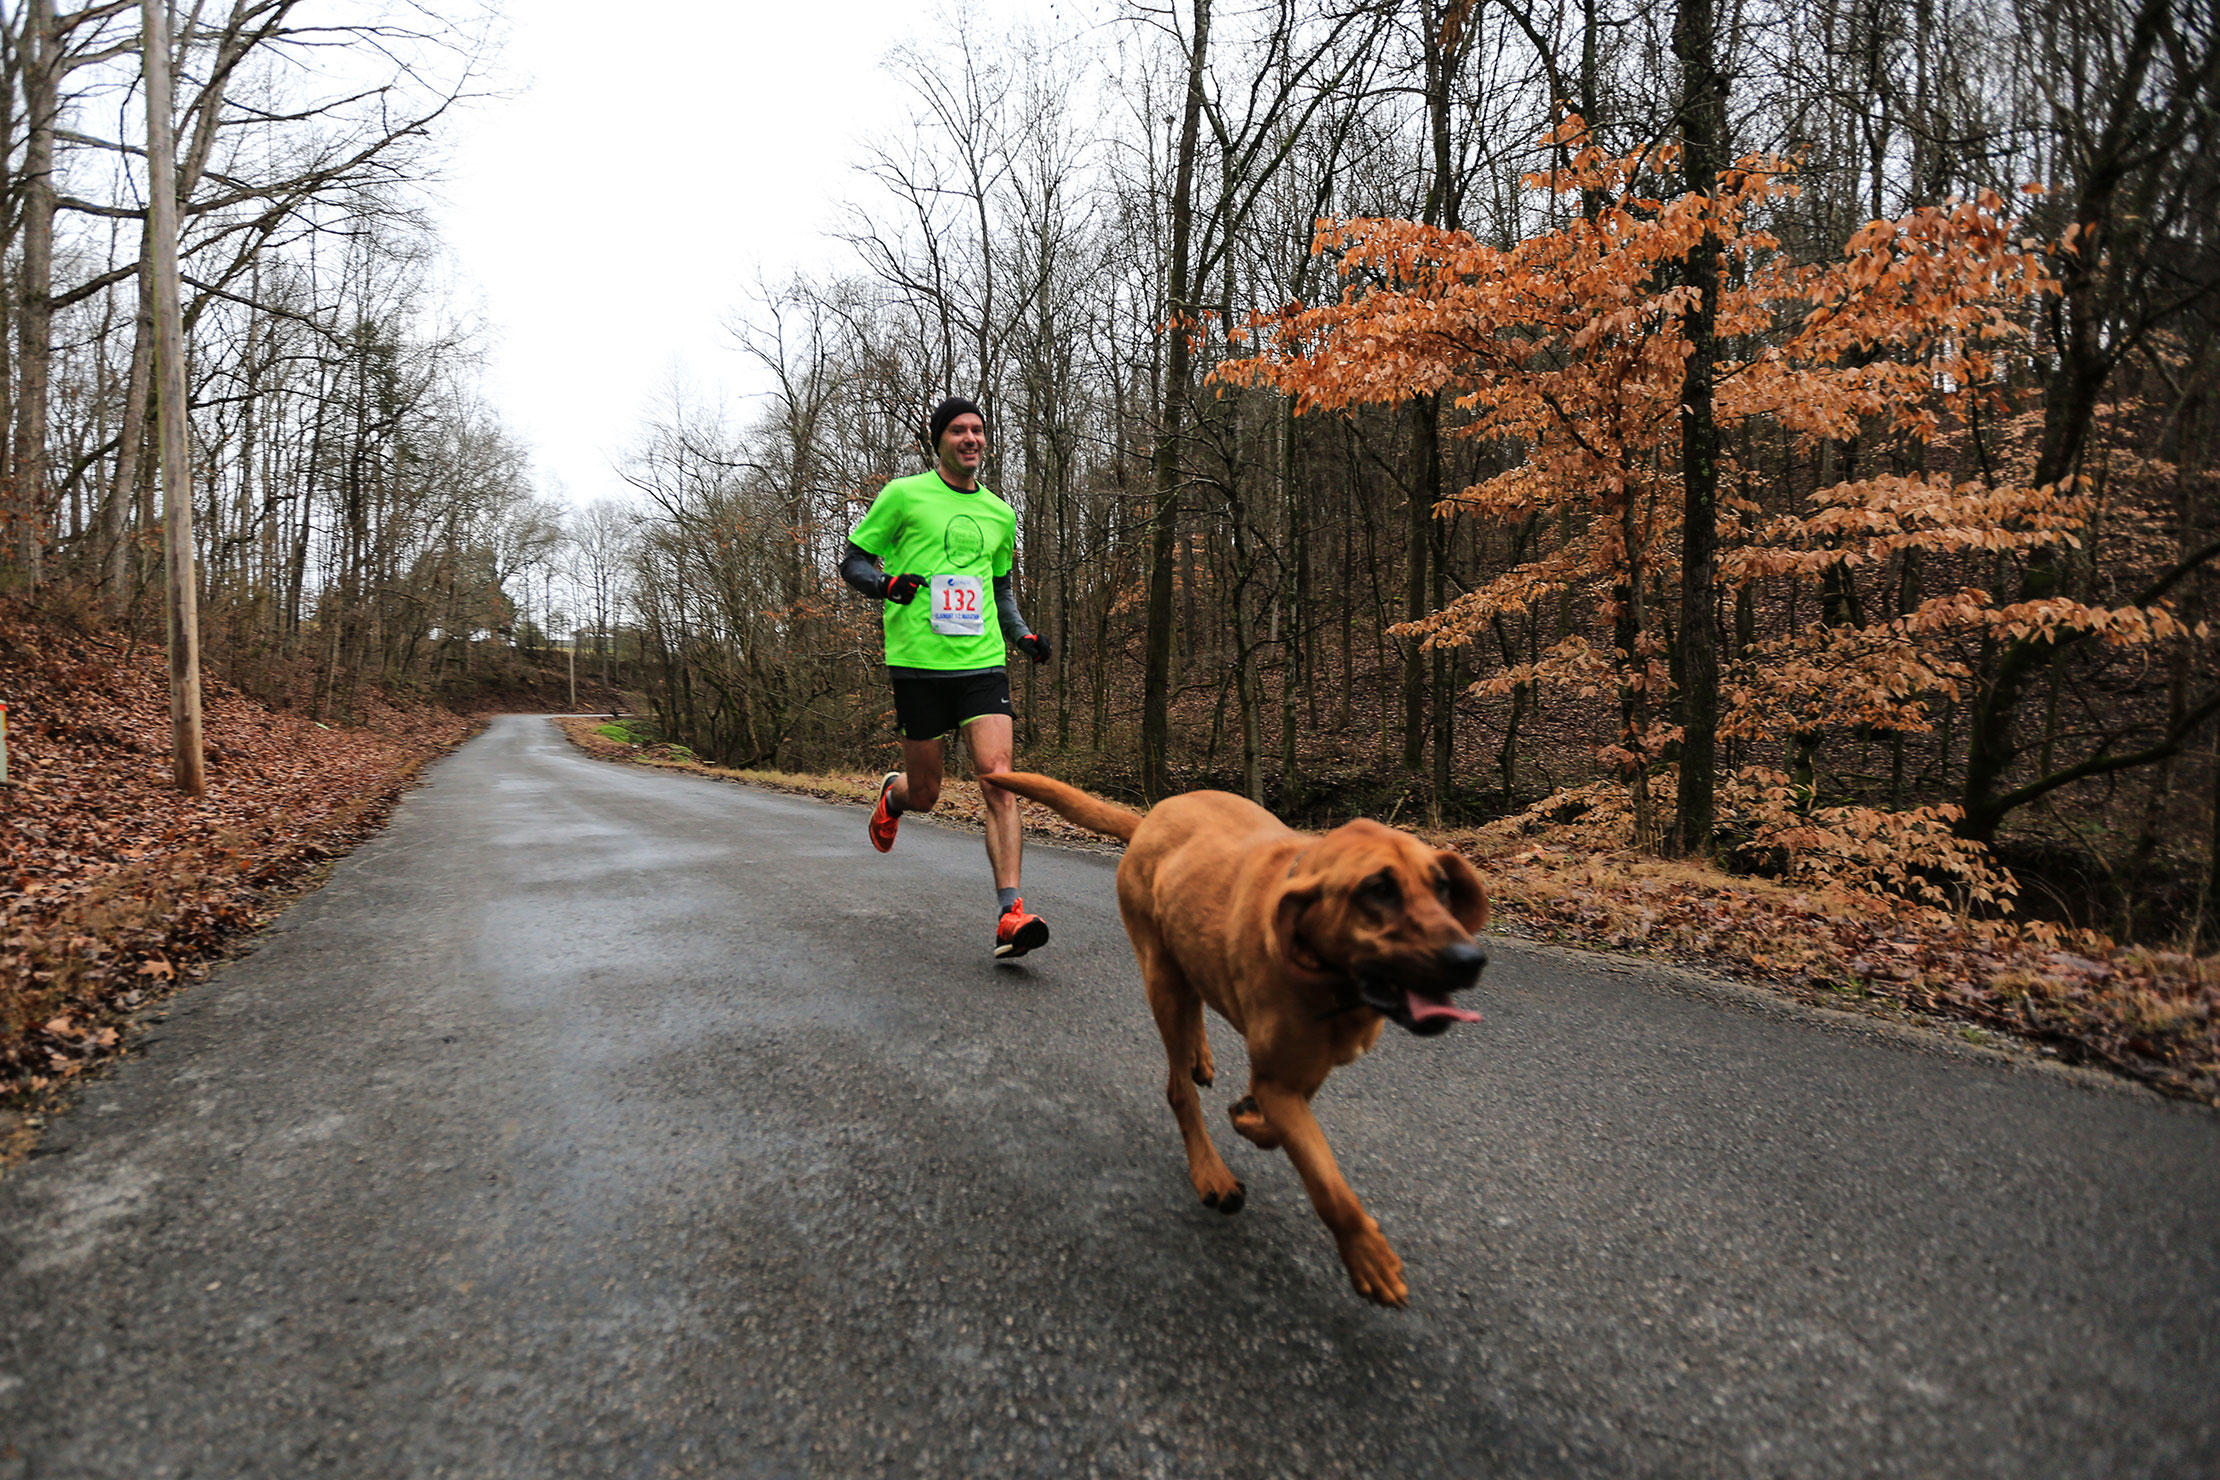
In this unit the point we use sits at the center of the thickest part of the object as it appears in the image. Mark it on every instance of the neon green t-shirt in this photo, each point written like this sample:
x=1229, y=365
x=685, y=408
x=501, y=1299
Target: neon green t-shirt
x=959, y=542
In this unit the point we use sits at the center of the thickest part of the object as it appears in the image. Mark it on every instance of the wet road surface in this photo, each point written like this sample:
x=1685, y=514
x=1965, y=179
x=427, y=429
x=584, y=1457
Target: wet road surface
x=592, y=1121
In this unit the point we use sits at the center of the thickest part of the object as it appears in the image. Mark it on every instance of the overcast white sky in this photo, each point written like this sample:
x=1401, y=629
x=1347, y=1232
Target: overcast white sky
x=607, y=216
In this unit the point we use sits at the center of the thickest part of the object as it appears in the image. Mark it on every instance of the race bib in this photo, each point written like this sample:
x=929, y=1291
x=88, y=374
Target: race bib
x=957, y=608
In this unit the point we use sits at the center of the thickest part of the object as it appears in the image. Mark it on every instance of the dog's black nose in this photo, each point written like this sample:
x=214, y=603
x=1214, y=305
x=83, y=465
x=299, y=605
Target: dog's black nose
x=1465, y=959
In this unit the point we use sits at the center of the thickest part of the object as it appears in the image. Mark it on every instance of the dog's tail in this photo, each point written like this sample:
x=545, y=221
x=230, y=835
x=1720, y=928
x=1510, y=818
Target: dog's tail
x=1070, y=803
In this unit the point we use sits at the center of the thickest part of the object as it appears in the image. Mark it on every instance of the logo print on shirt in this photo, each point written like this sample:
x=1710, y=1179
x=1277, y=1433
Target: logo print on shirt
x=963, y=541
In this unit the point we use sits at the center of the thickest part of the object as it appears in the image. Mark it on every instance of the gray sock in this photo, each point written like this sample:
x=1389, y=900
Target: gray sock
x=1003, y=899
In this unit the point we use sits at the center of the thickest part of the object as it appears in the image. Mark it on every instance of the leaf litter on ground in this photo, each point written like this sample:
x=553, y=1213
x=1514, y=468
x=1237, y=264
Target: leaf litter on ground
x=115, y=888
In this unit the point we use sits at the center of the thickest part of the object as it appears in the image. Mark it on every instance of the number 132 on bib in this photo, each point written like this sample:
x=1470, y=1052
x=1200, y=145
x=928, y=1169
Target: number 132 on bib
x=957, y=608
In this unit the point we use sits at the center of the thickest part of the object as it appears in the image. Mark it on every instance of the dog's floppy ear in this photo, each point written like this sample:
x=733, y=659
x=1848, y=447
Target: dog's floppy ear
x=1468, y=897
x=1287, y=923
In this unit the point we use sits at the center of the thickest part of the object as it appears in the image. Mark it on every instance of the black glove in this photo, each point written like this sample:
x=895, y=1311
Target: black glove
x=900, y=589
x=1034, y=646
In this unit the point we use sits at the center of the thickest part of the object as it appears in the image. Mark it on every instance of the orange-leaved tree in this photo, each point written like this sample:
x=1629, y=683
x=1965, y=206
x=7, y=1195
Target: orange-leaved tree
x=1886, y=369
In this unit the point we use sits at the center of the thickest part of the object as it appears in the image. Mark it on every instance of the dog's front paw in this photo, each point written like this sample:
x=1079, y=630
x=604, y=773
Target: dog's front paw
x=1374, y=1269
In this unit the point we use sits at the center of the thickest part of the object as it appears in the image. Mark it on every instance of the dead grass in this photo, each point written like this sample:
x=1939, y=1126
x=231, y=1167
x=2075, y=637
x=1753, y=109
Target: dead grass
x=960, y=803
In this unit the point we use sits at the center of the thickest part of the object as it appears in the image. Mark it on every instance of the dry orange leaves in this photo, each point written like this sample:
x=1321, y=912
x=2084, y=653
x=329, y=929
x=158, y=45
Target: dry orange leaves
x=2151, y=1015
x=113, y=886
x=1565, y=353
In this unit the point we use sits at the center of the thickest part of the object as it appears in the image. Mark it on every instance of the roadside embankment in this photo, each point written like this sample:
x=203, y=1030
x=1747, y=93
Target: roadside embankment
x=114, y=887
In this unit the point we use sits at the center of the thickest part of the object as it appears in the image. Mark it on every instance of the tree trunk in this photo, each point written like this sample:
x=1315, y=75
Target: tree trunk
x=131, y=440
x=1248, y=694
x=177, y=488
x=131, y=444
x=2084, y=360
x=1634, y=705
x=35, y=279
x=1442, y=47
x=2209, y=934
x=1703, y=145
x=1425, y=488
x=1445, y=693
x=1294, y=603
x=1164, y=515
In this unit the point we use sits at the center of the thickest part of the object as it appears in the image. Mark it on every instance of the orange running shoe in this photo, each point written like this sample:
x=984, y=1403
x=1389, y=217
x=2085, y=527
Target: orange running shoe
x=883, y=822
x=1017, y=932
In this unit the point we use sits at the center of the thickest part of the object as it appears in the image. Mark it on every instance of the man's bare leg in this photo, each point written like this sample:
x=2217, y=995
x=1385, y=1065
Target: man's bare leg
x=918, y=787
x=991, y=738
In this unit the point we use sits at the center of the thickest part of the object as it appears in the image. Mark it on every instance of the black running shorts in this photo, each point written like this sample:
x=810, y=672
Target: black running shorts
x=928, y=708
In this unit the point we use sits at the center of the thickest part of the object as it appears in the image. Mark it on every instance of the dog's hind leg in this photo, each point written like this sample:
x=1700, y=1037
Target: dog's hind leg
x=1179, y=1018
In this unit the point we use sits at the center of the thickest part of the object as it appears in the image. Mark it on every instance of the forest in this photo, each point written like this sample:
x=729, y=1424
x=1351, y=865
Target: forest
x=1779, y=436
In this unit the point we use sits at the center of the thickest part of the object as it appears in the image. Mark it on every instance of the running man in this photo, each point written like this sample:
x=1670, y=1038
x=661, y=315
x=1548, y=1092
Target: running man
x=953, y=543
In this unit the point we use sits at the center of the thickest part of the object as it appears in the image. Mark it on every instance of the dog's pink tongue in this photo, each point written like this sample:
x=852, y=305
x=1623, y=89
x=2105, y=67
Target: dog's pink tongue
x=1427, y=1009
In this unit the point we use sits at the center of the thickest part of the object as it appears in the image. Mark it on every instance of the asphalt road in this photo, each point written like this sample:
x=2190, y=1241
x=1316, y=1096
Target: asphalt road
x=593, y=1121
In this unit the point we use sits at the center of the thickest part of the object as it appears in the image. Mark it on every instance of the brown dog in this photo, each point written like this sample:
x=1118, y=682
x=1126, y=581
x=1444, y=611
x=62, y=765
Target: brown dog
x=1306, y=945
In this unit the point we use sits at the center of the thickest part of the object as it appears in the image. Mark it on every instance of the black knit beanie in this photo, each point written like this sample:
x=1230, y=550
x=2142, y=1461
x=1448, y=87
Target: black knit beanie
x=946, y=412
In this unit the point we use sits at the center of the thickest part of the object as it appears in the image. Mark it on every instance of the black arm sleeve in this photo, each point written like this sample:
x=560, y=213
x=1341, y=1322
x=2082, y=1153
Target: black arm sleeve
x=860, y=569
x=1006, y=607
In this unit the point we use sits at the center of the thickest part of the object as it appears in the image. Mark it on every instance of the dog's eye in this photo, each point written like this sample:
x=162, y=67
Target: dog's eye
x=1441, y=887
x=1380, y=892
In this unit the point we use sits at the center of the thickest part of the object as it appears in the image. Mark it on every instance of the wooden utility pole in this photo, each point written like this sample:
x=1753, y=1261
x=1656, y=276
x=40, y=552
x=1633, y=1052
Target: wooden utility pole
x=169, y=359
